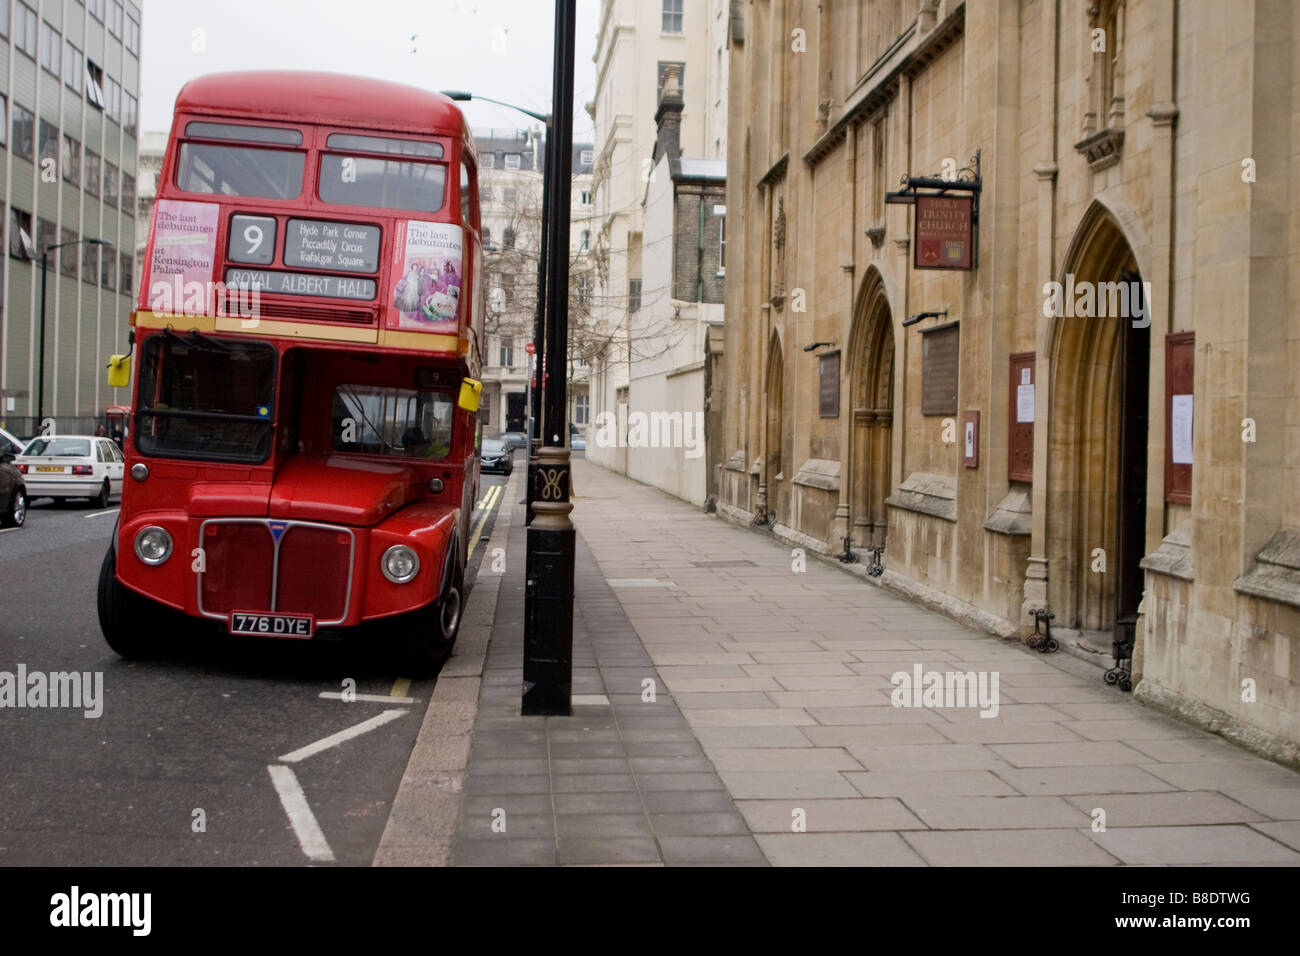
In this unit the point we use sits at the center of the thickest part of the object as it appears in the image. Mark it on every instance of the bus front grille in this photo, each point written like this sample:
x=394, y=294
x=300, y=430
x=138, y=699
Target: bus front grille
x=288, y=567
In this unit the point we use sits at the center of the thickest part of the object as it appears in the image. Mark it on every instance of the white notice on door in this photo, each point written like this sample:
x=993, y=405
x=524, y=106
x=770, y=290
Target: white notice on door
x=1024, y=403
x=1180, y=429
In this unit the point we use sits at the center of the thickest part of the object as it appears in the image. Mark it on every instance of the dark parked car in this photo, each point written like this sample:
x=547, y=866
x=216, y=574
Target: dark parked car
x=497, y=456
x=13, y=490
x=514, y=439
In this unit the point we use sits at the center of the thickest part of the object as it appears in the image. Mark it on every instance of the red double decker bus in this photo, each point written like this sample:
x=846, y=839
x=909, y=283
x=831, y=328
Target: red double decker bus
x=302, y=451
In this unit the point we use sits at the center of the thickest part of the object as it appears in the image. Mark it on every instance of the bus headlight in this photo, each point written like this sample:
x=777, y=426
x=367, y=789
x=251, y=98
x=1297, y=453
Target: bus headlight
x=400, y=564
x=153, y=545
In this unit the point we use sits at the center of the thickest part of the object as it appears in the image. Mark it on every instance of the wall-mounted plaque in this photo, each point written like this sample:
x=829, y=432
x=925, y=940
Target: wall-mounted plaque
x=1180, y=369
x=829, y=385
x=1020, y=448
x=939, y=365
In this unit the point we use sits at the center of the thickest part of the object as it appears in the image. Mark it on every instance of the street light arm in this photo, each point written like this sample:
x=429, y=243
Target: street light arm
x=462, y=96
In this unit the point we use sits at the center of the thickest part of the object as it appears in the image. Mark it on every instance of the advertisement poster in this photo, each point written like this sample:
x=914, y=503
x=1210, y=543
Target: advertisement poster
x=427, y=260
x=184, y=242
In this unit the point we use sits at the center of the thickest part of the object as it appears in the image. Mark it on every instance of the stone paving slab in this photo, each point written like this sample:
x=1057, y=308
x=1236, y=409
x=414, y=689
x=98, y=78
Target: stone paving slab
x=774, y=737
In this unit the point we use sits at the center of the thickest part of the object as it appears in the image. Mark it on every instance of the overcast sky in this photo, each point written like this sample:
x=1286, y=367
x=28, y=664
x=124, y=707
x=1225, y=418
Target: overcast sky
x=496, y=48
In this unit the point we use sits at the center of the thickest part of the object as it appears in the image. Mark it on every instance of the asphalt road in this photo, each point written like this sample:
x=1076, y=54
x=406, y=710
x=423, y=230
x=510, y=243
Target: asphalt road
x=175, y=770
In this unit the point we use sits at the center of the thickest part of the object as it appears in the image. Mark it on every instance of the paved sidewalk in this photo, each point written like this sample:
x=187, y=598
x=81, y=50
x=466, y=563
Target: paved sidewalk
x=772, y=709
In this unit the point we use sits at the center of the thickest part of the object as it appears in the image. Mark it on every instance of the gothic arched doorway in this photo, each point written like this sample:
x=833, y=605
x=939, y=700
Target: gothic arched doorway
x=773, y=392
x=1097, y=448
x=871, y=384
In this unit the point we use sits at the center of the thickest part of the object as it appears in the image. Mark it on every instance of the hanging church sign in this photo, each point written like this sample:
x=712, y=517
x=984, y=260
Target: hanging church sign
x=943, y=232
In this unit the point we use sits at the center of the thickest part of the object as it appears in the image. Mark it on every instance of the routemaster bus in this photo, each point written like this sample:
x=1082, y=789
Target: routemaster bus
x=307, y=343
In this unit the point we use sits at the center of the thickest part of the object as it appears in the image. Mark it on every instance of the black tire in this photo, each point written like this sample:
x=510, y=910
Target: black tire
x=16, y=512
x=429, y=634
x=101, y=500
x=126, y=618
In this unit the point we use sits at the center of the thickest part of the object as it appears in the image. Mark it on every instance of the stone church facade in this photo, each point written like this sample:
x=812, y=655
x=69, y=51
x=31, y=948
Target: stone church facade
x=1100, y=420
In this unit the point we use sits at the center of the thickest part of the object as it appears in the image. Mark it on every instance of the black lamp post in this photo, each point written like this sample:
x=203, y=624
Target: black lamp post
x=45, y=268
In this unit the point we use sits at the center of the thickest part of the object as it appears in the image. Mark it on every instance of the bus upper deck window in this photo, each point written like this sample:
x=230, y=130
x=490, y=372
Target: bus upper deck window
x=240, y=171
x=382, y=183
x=244, y=134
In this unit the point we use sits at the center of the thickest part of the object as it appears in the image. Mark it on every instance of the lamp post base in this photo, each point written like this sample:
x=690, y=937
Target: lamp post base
x=548, y=594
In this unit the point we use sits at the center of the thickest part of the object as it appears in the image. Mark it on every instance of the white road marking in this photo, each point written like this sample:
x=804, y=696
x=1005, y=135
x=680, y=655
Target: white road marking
x=100, y=514
x=333, y=740
x=369, y=698
x=310, y=836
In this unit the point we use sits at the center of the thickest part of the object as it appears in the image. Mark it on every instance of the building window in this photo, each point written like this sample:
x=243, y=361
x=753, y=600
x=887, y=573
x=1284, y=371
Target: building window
x=128, y=194
x=132, y=35
x=681, y=79
x=71, y=160
x=49, y=142
x=4, y=19
x=4, y=119
x=51, y=48
x=68, y=254
x=115, y=18
x=581, y=409
x=634, y=295
x=487, y=238
x=21, y=245
x=96, y=8
x=512, y=160
x=509, y=194
x=506, y=353
x=127, y=273
x=672, y=16
x=508, y=238
x=24, y=132
x=110, y=183
x=25, y=29
x=585, y=243
x=113, y=98
x=584, y=290
x=585, y=197
x=95, y=84
x=47, y=234
x=722, y=245
x=89, y=262
x=73, y=66
x=107, y=269
x=487, y=161
x=484, y=195
x=91, y=169
x=130, y=116
x=587, y=157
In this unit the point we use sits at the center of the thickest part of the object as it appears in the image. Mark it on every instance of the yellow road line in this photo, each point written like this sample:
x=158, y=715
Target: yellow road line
x=490, y=501
x=400, y=687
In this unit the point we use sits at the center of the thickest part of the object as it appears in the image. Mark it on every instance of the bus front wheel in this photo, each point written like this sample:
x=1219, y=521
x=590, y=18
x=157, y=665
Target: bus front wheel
x=124, y=616
x=431, y=634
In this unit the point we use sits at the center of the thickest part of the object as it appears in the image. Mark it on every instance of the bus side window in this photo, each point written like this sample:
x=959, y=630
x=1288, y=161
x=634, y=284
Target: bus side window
x=468, y=199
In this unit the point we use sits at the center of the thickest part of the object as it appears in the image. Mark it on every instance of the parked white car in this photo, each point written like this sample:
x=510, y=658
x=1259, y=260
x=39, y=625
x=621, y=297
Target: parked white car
x=72, y=466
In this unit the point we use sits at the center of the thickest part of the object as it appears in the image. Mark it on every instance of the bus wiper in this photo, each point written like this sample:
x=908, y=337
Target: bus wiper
x=196, y=337
x=197, y=340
